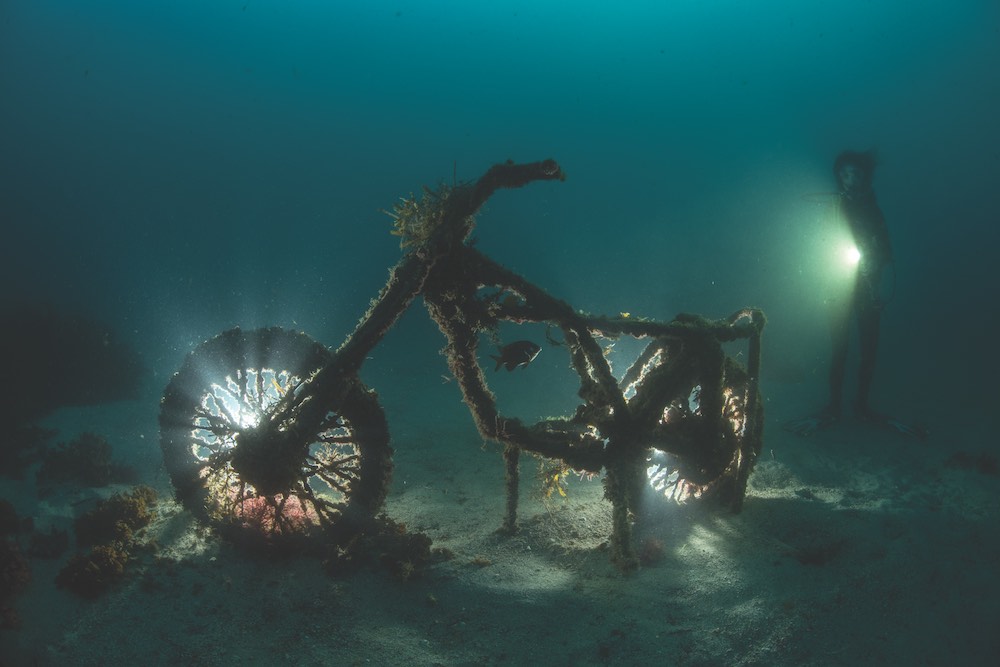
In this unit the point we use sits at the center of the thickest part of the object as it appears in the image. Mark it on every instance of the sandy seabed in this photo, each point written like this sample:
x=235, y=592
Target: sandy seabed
x=855, y=547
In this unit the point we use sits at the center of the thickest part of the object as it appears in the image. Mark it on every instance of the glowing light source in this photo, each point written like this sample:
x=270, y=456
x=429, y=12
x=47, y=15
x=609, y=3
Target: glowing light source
x=852, y=255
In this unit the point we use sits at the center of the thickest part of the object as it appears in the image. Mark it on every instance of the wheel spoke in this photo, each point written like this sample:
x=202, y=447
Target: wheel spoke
x=337, y=439
x=213, y=407
x=334, y=484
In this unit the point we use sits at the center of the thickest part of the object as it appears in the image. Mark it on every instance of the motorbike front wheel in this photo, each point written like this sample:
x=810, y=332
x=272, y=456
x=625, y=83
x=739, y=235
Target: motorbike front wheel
x=238, y=460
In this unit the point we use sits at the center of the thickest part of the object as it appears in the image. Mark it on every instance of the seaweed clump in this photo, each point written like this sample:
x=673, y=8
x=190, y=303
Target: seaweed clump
x=85, y=461
x=415, y=221
x=112, y=527
x=386, y=543
x=117, y=518
x=90, y=574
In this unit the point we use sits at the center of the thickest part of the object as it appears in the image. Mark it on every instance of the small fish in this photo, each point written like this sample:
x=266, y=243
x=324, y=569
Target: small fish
x=518, y=353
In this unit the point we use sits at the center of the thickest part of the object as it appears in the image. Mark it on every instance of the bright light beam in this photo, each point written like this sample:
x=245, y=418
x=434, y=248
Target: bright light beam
x=851, y=255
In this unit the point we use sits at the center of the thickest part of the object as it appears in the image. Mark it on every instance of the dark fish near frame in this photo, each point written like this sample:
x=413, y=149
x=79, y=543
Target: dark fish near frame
x=518, y=353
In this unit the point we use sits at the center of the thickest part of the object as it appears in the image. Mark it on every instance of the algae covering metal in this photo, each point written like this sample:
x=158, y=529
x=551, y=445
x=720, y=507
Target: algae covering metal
x=270, y=435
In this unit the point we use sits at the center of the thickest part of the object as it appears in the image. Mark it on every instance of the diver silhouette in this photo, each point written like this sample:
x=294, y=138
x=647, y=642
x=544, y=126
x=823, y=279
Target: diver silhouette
x=857, y=205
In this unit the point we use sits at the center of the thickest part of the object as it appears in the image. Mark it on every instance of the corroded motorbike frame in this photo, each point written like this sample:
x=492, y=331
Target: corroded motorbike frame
x=683, y=396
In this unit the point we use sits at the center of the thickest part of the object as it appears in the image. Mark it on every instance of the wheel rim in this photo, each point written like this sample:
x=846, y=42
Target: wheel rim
x=234, y=456
x=731, y=450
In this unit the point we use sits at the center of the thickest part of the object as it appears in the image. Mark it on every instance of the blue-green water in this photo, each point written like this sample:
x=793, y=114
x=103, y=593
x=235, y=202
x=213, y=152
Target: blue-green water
x=180, y=167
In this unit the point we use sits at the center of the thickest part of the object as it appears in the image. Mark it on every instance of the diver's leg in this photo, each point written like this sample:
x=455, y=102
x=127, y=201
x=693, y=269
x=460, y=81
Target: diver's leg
x=868, y=326
x=868, y=322
x=839, y=334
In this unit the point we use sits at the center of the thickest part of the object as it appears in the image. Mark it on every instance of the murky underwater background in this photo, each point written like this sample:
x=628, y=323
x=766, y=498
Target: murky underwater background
x=172, y=169
x=178, y=168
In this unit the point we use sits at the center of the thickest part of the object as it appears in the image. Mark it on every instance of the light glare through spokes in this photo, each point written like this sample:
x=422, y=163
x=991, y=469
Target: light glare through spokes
x=239, y=404
x=323, y=475
x=664, y=478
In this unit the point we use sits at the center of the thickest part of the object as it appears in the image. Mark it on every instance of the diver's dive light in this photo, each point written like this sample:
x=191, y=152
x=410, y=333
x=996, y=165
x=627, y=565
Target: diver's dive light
x=851, y=255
